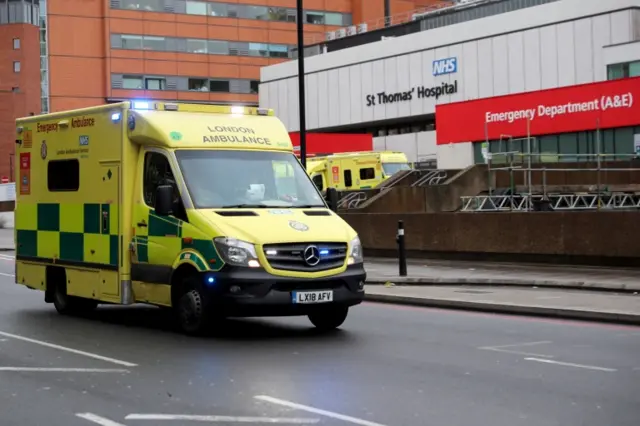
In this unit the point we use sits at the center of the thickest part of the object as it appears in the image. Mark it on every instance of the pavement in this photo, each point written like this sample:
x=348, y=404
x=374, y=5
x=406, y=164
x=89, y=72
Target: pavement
x=435, y=272
x=389, y=365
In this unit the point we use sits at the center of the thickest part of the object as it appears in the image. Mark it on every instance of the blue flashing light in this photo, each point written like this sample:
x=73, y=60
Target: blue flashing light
x=211, y=280
x=115, y=117
x=141, y=105
x=324, y=252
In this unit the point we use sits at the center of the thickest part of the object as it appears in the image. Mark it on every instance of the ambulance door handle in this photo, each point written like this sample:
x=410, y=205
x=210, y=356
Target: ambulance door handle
x=105, y=222
x=142, y=224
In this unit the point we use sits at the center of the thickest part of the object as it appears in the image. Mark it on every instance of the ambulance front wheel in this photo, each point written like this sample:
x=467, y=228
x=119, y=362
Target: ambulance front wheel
x=329, y=319
x=70, y=305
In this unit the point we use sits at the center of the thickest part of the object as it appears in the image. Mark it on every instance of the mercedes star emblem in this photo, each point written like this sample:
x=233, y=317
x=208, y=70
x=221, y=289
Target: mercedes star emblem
x=312, y=255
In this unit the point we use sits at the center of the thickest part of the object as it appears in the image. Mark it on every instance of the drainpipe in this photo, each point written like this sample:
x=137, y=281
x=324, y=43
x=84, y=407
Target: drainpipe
x=387, y=13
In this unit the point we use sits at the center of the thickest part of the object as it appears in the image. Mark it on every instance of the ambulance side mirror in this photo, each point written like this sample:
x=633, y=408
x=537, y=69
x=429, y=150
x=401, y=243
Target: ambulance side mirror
x=164, y=200
x=332, y=199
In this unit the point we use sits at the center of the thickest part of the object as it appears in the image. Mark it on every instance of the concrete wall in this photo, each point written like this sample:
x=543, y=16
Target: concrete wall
x=562, y=237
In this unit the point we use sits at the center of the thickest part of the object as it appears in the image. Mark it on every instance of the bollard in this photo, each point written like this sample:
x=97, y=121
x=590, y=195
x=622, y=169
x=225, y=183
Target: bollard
x=402, y=255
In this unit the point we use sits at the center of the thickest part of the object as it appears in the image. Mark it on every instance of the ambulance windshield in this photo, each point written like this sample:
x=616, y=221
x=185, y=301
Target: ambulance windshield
x=252, y=179
x=391, y=168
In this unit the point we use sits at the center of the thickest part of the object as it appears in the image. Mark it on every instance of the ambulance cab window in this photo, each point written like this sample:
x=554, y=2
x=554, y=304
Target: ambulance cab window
x=347, y=178
x=317, y=179
x=157, y=171
x=368, y=173
x=63, y=175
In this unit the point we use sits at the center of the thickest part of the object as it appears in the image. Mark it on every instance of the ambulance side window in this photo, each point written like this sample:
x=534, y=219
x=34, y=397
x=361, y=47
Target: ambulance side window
x=347, y=178
x=157, y=171
x=367, y=174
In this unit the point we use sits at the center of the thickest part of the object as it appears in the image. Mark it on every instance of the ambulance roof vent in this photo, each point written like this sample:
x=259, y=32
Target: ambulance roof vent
x=170, y=107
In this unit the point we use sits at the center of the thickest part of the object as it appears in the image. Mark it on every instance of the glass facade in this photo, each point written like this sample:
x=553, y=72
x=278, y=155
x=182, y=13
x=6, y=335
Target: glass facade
x=233, y=10
x=183, y=84
x=201, y=46
x=616, y=144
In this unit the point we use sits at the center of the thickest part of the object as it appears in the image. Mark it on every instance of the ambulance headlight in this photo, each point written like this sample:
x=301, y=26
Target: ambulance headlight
x=236, y=252
x=355, y=252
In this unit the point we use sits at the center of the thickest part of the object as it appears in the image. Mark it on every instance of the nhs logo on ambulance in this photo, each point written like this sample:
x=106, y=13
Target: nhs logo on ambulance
x=445, y=66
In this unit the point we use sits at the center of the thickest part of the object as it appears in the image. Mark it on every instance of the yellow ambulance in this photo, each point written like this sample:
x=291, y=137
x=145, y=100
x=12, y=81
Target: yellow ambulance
x=203, y=209
x=352, y=171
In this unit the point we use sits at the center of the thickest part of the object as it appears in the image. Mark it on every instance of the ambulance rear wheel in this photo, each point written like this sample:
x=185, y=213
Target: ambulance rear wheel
x=70, y=305
x=329, y=319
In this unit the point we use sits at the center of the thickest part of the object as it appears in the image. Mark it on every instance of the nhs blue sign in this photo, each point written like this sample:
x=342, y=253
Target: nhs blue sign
x=445, y=66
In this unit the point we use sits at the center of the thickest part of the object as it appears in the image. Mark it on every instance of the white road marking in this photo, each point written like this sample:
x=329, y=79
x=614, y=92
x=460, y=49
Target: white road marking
x=502, y=348
x=64, y=370
x=73, y=351
x=229, y=419
x=8, y=256
x=316, y=411
x=98, y=420
x=7, y=275
x=569, y=364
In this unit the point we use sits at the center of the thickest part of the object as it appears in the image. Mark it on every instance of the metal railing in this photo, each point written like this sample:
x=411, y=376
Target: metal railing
x=561, y=202
x=432, y=177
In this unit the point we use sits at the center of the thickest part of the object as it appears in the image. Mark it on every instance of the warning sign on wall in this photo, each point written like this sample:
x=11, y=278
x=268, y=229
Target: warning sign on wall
x=25, y=173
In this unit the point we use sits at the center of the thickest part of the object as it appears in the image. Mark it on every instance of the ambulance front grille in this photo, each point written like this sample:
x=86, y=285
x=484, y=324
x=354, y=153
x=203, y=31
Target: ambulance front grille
x=319, y=256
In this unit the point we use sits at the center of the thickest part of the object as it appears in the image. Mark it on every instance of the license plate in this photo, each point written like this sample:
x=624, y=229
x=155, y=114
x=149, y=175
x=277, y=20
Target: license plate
x=323, y=296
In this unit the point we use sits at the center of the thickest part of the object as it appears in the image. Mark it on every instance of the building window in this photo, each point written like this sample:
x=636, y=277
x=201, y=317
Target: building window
x=254, y=86
x=145, y=5
x=16, y=43
x=217, y=9
x=155, y=83
x=280, y=14
x=279, y=51
x=258, y=49
x=154, y=43
x=220, y=86
x=63, y=175
x=254, y=12
x=16, y=66
x=198, y=84
x=624, y=70
x=315, y=17
x=216, y=47
x=196, y=8
x=333, y=19
x=196, y=46
x=131, y=42
x=132, y=82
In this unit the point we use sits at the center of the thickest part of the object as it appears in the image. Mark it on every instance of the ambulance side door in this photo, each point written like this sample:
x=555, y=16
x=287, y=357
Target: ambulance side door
x=158, y=239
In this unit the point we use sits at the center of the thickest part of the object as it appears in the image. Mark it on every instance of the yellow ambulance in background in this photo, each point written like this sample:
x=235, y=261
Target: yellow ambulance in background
x=355, y=170
x=203, y=209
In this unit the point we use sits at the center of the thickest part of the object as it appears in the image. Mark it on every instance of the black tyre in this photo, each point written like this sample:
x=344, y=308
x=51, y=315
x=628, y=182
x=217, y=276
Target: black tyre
x=192, y=314
x=329, y=319
x=70, y=305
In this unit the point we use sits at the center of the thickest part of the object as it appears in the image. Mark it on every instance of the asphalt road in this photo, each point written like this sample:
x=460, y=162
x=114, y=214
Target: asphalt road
x=388, y=366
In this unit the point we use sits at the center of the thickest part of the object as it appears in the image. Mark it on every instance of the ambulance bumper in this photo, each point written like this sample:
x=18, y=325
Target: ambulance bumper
x=237, y=292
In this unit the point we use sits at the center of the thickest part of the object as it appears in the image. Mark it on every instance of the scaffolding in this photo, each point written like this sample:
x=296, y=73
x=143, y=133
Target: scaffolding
x=525, y=162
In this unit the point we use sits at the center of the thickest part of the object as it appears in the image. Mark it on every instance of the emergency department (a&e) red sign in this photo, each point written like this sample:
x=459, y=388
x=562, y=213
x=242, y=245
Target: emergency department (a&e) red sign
x=603, y=105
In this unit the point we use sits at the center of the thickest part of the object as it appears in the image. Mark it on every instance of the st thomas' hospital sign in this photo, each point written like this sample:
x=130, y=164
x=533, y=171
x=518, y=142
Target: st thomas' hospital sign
x=440, y=67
